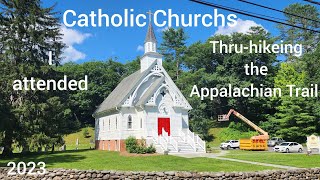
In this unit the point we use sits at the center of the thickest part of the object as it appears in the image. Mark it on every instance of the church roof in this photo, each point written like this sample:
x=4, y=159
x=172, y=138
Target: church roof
x=122, y=91
x=150, y=35
x=157, y=83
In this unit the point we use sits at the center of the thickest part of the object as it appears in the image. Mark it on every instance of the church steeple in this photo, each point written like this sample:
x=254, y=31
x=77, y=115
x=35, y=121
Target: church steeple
x=150, y=49
x=150, y=43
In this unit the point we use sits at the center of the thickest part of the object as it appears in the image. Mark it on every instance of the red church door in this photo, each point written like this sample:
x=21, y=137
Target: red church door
x=165, y=124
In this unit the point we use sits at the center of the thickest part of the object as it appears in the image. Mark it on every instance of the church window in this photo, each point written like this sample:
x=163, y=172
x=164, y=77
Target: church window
x=109, y=124
x=156, y=68
x=129, y=122
x=116, y=123
x=141, y=123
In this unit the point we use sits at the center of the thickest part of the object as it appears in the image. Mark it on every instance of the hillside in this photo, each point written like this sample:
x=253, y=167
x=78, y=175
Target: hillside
x=84, y=142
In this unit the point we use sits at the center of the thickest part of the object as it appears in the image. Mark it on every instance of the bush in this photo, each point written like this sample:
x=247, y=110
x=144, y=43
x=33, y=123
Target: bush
x=86, y=133
x=231, y=133
x=141, y=150
x=132, y=146
x=151, y=149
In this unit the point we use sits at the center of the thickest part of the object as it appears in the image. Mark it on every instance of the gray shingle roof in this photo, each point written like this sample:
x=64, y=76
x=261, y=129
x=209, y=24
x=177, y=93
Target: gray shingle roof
x=155, y=85
x=150, y=35
x=122, y=91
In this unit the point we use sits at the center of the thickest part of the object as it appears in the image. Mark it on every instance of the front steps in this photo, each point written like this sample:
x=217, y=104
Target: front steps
x=183, y=147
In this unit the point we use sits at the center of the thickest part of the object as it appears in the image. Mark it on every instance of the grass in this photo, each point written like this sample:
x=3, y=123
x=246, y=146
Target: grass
x=84, y=143
x=104, y=160
x=214, y=132
x=290, y=159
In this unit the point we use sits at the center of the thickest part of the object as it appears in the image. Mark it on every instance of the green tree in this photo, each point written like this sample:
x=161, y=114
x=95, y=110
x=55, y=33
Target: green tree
x=173, y=48
x=208, y=69
x=293, y=35
x=293, y=114
x=311, y=65
x=28, y=31
x=103, y=78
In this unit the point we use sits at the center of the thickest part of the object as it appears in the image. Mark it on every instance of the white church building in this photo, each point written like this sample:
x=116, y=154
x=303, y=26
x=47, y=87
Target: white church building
x=149, y=106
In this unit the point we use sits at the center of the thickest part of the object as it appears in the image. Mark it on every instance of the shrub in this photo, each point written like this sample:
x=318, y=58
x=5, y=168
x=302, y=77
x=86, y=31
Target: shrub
x=141, y=150
x=231, y=133
x=151, y=149
x=86, y=133
x=132, y=146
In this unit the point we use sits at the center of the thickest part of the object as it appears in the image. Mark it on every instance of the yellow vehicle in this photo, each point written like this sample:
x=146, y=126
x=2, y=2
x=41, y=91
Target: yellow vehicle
x=255, y=142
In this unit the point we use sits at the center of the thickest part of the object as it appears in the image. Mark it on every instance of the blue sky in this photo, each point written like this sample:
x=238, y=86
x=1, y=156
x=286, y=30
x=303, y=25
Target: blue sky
x=101, y=43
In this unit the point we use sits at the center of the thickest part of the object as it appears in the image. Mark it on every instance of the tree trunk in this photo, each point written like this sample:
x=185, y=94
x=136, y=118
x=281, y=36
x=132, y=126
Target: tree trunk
x=52, y=150
x=25, y=149
x=7, y=143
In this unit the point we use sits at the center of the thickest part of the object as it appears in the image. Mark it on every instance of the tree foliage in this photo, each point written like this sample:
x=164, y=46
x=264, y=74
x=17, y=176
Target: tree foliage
x=28, y=31
x=208, y=69
x=293, y=35
x=103, y=78
x=173, y=48
x=293, y=114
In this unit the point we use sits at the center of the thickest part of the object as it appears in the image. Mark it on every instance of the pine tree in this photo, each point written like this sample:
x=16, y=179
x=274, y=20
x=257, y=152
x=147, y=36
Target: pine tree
x=293, y=35
x=28, y=32
x=173, y=48
x=294, y=114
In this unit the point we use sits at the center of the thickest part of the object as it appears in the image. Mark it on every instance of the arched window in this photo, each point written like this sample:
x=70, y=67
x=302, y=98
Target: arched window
x=116, y=123
x=129, y=122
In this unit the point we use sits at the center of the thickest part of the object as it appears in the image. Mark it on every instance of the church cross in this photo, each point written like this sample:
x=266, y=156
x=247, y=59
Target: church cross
x=163, y=93
x=150, y=13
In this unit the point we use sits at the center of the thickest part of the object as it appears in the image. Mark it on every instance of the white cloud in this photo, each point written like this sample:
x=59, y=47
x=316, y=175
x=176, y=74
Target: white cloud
x=71, y=54
x=163, y=29
x=73, y=37
x=243, y=26
x=140, y=48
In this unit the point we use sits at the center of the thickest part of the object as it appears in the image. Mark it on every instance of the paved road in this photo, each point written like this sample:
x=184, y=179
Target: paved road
x=270, y=149
x=222, y=153
x=256, y=163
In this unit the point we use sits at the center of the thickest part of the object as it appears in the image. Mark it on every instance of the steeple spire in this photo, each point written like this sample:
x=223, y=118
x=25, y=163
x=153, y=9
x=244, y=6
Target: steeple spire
x=150, y=48
x=150, y=43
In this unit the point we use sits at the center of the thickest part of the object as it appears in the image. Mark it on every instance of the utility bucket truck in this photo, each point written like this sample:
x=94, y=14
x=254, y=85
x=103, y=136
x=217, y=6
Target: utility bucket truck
x=258, y=143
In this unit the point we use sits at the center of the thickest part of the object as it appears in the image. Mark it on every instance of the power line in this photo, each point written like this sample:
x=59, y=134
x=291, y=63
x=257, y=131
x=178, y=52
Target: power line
x=247, y=14
x=313, y=2
x=254, y=13
x=266, y=7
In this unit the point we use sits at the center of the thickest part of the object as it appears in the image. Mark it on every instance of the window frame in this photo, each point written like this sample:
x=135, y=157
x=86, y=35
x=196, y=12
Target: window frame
x=129, y=123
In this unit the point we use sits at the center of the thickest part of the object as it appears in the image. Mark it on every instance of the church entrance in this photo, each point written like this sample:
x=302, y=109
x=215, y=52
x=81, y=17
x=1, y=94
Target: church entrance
x=165, y=124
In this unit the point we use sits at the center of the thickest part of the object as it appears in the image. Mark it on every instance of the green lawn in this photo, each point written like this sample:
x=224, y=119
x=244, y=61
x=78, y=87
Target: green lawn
x=214, y=132
x=290, y=159
x=84, y=143
x=104, y=160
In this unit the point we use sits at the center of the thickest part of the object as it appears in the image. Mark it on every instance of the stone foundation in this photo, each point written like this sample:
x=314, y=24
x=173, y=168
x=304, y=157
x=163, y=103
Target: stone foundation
x=58, y=174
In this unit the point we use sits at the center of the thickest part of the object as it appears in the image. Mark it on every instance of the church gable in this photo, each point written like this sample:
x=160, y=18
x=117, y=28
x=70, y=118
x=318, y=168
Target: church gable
x=153, y=88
